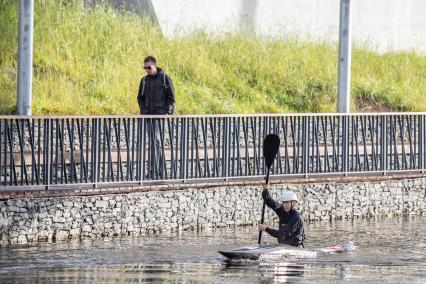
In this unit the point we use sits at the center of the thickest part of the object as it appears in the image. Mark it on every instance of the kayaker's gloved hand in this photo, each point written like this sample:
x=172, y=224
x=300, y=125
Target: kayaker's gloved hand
x=262, y=227
x=265, y=186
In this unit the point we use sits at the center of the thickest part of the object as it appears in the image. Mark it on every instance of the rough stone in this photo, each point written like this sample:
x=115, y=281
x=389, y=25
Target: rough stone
x=41, y=219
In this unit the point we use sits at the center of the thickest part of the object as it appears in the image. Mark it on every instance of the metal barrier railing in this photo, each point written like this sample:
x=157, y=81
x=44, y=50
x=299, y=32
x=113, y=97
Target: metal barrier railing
x=51, y=151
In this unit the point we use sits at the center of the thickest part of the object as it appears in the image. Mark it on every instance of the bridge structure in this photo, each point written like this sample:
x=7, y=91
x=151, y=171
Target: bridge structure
x=42, y=153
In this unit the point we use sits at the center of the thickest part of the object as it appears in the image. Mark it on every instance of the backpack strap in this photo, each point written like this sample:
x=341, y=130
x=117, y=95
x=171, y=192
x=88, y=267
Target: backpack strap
x=164, y=82
x=143, y=85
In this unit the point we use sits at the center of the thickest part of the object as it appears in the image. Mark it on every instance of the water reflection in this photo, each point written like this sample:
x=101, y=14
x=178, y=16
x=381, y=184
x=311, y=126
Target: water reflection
x=388, y=250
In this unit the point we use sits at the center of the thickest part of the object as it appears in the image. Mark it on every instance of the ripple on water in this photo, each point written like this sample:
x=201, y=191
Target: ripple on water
x=391, y=250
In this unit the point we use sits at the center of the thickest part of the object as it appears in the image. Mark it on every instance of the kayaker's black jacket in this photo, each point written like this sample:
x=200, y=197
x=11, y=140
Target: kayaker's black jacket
x=290, y=231
x=156, y=94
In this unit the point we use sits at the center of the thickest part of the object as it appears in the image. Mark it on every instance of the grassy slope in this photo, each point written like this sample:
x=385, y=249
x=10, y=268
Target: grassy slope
x=89, y=62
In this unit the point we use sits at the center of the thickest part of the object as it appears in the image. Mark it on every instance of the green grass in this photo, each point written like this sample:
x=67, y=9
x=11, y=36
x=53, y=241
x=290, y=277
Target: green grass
x=90, y=62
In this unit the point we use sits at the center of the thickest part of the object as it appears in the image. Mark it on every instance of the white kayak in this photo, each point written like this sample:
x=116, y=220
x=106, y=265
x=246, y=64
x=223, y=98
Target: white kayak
x=273, y=251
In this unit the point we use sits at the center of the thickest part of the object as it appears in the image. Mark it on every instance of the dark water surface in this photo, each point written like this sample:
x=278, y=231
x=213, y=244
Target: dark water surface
x=388, y=251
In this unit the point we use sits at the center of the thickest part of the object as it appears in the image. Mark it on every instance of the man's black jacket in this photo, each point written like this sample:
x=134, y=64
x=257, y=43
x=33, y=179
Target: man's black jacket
x=156, y=94
x=290, y=231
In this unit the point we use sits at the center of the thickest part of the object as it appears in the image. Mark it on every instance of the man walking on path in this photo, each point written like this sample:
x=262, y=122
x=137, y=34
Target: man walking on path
x=156, y=96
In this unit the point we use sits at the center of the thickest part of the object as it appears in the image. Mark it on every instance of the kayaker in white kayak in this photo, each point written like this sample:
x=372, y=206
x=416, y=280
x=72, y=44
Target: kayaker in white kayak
x=291, y=228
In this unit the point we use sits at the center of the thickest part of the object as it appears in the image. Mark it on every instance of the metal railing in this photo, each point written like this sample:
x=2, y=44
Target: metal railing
x=57, y=151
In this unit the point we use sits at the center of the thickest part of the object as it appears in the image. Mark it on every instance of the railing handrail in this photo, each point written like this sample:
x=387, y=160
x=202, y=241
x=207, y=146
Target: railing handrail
x=58, y=150
x=322, y=114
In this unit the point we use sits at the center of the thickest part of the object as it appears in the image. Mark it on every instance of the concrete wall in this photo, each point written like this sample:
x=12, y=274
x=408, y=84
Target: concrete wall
x=381, y=24
x=45, y=219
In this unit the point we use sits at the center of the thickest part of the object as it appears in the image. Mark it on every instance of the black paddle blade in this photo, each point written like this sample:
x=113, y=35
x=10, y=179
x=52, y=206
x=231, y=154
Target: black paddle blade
x=271, y=144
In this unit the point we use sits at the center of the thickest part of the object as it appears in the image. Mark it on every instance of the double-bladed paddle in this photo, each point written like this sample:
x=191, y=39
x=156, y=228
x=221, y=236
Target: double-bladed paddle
x=271, y=144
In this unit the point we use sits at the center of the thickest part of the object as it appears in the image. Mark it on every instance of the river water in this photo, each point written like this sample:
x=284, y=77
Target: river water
x=391, y=250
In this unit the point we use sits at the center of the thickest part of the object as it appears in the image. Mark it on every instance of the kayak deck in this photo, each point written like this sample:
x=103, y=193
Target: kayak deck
x=278, y=250
x=255, y=252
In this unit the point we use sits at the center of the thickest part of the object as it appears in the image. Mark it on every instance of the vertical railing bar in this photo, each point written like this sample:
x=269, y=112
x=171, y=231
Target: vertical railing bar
x=39, y=134
x=186, y=161
x=358, y=156
x=117, y=130
x=50, y=150
x=138, y=152
x=180, y=128
x=224, y=158
x=142, y=148
x=126, y=122
x=374, y=136
x=73, y=165
x=162, y=174
x=395, y=142
x=233, y=146
x=93, y=151
x=204, y=128
x=422, y=143
x=254, y=137
x=410, y=140
x=239, y=159
x=300, y=128
x=1, y=165
x=260, y=145
x=12, y=158
x=219, y=154
x=104, y=143
x=213, y=131
x=22, y=165
x=377, y=135
x=338, y=143
x=197, y=148
x=191, y=137
x=401, y=123
x=5, y=151
x=108, y=132
x=88, y=136
x=33, y=159
x=171, y=132
x=246, y=148
x=100, y=123
x=60, y=134
x=363, y=135
x=332, y=120
x=306, y=134
x=277, y=129
x=56, y=150
x=412, y=120
x=286, y=169
x=311, y=160
x=324, y=127
x=132, y=128
x=178, y=123
x=182, y=147
x=385, y=143
x=80, y=131
x=352, y=146
x=294, y=144
x=315, y=136
x=44, y=152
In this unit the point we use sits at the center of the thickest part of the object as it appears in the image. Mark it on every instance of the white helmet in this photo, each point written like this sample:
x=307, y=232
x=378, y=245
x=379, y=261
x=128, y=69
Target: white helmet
x=288, y=196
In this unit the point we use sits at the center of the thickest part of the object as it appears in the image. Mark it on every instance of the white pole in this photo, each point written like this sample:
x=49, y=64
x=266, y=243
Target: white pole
x=25, y=56
x=345, y=50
